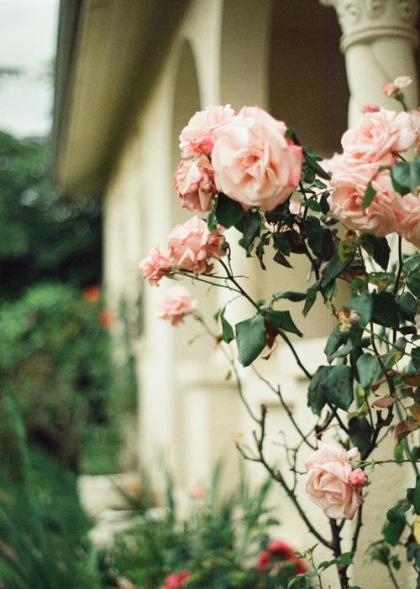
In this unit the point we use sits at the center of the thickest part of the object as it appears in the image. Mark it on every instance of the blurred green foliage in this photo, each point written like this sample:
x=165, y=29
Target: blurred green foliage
x=43, y=531
x=43, y=236
x=217, y=539
x=55, y=360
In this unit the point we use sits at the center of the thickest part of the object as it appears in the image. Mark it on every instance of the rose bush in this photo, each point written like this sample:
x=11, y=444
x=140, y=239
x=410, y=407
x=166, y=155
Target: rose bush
x=367, y=390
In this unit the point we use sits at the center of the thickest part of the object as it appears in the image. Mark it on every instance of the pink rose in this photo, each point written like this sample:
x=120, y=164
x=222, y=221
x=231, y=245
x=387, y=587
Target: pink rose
x=409, y=223
x=176, y=580
x=358, y=478
x=382, y=215
x=254, y=163
x=328, y=483
x=192, y=246
x=155, y=266
x=198, y=136
x=194, y=184
x=347, y=171
x=176, y=304
x=378, y=134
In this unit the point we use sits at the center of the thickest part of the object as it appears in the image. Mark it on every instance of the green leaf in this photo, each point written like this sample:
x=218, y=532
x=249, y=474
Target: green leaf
x=211, y=219
x=399, y=451
x=381, y=279
x=250, y=337
x=281, y=243
x=396, y=523
x=249, y=225
x=290, y=295
x=417, y=495
x=313, y=164
x=227, y=330
x=412, y=263
x=369, y=196
x=397, y=511
x=363, y=306
x=345, y=559
x=335, y=268
x=385, y=310
x=315, y=234
x=340, y=383
x=282, y=320
x=400, y=175
x=392, y=531
x=336, y=339
x=369, y=370
x=228, y=212
x=360, y=432
x=406, y=175
x=407, y=306
x=413, y=283
x=378, y=248
x=260, y=249
x=331, y=384
x=415, y=357
x=311, y=294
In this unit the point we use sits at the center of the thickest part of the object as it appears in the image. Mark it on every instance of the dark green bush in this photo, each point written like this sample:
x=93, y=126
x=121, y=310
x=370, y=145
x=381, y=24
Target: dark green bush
x=55, y=360
x=44, y=236
x=43, y=531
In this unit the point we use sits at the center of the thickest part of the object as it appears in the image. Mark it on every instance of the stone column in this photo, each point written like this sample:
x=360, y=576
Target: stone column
x=379, y=38
x=378, y=41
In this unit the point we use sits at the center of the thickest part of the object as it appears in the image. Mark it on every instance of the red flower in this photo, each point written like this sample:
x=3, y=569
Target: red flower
x=176, y=580
x=92, y=294
x=263, y=561
x=278, y=551
x=106, y=318
x=301, y=566
x=281, y=549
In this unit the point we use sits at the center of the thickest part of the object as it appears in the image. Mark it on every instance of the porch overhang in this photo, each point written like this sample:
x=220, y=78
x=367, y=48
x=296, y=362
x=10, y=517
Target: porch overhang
x=108, y=53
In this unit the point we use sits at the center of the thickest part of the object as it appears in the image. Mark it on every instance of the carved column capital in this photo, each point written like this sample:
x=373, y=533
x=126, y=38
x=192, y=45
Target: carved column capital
x=367, y=20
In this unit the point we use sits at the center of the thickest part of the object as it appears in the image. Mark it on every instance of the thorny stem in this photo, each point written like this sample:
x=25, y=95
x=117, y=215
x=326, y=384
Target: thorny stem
x=397, y=280
x=392, y=576
x=204, y=281
x=231, y=277
x=284, y=337
x=276, y=475
x=391, y=388
x=342, y=569
x=358, y=528
x=233, y=366
x=277, y=391
x=295, y=354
